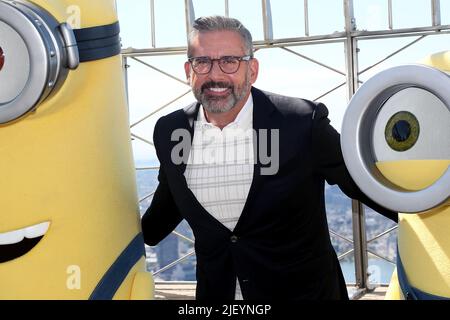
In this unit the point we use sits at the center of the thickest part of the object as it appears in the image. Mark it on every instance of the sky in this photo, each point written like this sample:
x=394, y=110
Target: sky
x=280, y=71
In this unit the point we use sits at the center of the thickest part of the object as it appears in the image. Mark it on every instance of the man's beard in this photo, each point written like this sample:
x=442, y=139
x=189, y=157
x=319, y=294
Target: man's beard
x=221, y=104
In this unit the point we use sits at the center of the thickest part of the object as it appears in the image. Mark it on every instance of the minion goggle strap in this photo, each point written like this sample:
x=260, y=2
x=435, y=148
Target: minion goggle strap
x=37, y=52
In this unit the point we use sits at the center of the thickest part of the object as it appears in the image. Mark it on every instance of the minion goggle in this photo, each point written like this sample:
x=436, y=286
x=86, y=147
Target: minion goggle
x=37, y=52
x=366, y=120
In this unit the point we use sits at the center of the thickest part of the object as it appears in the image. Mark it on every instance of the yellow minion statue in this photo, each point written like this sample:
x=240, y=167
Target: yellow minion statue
x=396, y=144
x=69, y=219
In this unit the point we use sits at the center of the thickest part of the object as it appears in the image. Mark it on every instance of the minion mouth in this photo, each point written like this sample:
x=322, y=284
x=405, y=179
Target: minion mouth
x=14, y=244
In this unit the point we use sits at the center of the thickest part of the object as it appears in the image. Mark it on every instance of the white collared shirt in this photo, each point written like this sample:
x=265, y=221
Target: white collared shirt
x=219, y=170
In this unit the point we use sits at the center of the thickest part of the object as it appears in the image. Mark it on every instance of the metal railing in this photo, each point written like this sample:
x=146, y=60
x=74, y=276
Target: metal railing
x=349, y=38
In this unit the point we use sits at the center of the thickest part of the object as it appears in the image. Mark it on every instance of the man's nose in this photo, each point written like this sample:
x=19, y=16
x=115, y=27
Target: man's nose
x=216, y=72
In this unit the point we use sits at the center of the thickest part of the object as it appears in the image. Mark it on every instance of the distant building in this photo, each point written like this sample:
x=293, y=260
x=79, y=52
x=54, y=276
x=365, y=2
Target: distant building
x=167, y=252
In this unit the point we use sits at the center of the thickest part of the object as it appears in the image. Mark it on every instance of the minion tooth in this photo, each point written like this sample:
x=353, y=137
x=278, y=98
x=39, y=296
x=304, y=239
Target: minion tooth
x=37, y=230
x=12, y=237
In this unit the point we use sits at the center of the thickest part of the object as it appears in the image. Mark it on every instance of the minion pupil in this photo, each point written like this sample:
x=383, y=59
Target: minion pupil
x=402, y=131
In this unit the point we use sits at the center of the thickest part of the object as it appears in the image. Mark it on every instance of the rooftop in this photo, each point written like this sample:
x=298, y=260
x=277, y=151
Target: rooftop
x=186, y=291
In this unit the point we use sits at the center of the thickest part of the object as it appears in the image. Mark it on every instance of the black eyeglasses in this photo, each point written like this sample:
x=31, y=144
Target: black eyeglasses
x=228, y=64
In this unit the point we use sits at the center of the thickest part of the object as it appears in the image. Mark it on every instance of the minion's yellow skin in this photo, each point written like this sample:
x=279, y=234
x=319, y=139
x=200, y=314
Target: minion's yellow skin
x=424, y=238
x=70, y=163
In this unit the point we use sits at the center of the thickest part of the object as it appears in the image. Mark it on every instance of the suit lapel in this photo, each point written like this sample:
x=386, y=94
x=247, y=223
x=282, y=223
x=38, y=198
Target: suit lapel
x=187, y=122
x=263, y=118
x=184, y=122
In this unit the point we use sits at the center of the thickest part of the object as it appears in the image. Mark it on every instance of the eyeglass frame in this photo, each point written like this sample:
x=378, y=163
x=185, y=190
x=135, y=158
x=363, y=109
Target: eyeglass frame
x=240, y=59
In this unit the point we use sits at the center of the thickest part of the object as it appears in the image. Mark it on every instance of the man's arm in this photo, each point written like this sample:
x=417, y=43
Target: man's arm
x=162, y=216
x=329, y=161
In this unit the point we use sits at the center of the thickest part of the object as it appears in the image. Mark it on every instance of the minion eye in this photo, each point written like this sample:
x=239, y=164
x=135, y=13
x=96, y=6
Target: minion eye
x=36, y=53
x=392, y=104
x=402, y=131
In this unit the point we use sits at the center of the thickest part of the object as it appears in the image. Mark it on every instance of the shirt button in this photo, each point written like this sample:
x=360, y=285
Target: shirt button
x=234, y=238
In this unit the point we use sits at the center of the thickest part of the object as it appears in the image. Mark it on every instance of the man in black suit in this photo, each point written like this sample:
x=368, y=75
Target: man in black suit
x=259, y=222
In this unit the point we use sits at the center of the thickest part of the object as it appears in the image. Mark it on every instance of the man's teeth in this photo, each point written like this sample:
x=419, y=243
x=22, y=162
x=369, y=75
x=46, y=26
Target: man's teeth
x=218, y=89
x=31, y=232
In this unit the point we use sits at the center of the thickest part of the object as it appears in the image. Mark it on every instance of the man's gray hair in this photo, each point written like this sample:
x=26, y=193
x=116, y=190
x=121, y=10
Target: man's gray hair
x=220, y=23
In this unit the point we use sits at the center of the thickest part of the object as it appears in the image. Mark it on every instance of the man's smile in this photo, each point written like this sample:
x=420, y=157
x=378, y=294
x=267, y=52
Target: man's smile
x=14, y=244
x=218, y=89
x=217, y=92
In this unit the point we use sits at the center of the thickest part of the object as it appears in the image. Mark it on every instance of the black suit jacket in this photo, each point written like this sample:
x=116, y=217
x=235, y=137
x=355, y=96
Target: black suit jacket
x=280, y=247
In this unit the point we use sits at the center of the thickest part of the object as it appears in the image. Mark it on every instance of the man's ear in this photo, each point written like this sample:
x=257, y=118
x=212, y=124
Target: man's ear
x=187, y=70
x=254, y=70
